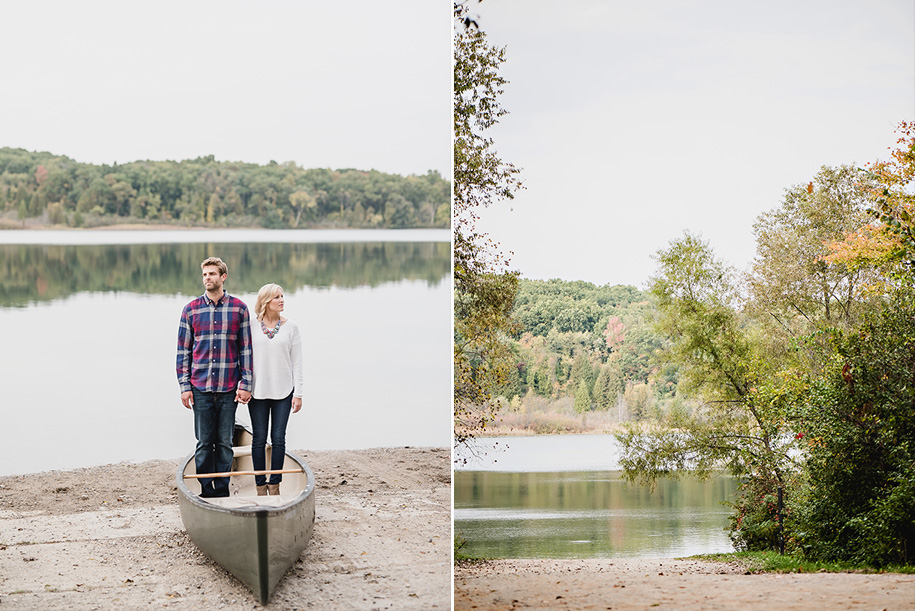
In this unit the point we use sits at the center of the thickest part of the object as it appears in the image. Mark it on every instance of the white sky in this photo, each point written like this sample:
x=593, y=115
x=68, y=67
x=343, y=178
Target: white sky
x=355, y=84
x=635, y=121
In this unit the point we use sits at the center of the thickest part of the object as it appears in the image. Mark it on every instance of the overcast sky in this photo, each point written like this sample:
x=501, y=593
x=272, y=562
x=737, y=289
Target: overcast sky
x=635, y=121
x=355, y=84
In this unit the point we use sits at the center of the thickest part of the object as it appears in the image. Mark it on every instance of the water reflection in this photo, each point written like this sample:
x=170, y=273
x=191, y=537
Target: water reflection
x=589, y=514
x=30, y=273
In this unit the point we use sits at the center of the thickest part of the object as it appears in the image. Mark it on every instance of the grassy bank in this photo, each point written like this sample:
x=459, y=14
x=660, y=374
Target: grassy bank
x=773, y=562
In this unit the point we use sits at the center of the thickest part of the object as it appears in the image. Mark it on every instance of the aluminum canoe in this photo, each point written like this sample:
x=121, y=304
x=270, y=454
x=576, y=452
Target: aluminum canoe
x=256, y=539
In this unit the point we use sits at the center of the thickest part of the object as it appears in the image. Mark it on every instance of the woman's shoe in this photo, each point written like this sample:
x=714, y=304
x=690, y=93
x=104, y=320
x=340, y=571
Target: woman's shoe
x=273, y=489
x=262, y=490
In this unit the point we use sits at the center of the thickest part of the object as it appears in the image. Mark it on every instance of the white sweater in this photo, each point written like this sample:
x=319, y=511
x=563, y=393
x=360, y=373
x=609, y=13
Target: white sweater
x=277, y=362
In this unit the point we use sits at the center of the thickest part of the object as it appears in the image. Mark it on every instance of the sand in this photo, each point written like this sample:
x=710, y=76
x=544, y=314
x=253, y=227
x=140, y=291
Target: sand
x=111, y=537
x=683, y=585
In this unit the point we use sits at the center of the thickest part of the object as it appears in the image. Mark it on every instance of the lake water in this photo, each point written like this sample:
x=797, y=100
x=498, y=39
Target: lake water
x=89, y=327
x=544, y=453
x=562, y=496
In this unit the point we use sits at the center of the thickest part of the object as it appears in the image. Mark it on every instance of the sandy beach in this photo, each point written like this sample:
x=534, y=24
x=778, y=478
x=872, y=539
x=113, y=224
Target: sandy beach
x=682, y=585
x=111, y=537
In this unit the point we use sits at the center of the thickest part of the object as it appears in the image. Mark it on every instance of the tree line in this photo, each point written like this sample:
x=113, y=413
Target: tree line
x=592, y=344
x=204, y=192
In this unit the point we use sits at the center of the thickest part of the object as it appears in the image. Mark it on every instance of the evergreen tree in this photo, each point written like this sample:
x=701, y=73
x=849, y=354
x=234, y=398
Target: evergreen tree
x=582, y=398
x=581, y=372
x=37, y=204
x=606, y=386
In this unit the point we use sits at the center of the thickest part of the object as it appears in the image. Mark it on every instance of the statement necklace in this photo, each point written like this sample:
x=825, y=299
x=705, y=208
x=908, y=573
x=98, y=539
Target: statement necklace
x=271, y=332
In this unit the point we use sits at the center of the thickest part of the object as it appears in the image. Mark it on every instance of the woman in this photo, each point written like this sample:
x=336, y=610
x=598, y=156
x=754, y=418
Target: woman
x=278, y=381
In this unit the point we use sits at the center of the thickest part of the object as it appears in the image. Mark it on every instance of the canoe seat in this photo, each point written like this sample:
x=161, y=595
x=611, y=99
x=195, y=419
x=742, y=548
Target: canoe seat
x=244, y=502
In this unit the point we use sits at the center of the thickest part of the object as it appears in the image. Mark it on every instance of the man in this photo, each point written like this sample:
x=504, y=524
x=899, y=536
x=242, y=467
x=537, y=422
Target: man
x=215, y=372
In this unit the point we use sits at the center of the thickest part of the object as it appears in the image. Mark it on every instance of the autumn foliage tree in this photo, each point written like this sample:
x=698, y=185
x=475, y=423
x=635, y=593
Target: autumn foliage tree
x=791, y=280
x=888, y=241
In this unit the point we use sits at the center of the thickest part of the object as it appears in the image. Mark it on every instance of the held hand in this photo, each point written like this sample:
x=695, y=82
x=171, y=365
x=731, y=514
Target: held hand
x=296, y=404
x=187, y=399
x=242, y=396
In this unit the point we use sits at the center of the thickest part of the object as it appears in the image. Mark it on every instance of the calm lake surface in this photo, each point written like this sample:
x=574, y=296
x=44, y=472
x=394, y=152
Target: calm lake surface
x=562, y=496
x=89, y=324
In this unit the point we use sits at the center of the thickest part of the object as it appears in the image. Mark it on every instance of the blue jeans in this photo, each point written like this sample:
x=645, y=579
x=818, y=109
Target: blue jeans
x=276, y=411
x=214, y=425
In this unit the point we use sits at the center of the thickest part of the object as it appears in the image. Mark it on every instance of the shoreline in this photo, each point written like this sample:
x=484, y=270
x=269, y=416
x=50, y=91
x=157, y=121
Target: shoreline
x=509, y=423
x=111, y=537
x=6, y=225
x=668, y=583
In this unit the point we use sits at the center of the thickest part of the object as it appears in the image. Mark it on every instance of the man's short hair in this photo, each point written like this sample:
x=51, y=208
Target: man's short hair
x=223, y=270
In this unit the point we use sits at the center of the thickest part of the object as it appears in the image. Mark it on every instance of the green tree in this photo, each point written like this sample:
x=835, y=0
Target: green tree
x=607, y=386
x=214, y=208
x=56, y=215
x=581, y=372
x=639, y=401
x=122, y=196
x=582, y=398
x=742, y=424
x=84, y=203
x=858, y=425
x=305, y=203
x=37, y=204
x=398, y=212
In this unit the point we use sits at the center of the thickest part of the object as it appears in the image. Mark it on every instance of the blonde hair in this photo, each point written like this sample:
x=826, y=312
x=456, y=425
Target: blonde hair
x=216, y=261
x=267, y=293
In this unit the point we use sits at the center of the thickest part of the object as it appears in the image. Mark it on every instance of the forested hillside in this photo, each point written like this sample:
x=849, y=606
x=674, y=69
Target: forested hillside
x=56, y=190
x=588, y=347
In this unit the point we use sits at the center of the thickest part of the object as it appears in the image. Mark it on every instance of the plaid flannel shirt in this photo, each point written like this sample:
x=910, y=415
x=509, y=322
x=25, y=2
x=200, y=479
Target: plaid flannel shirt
x=214, y=346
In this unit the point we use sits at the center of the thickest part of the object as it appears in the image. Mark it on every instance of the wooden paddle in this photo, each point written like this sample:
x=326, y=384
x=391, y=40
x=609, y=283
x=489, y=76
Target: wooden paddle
x=232, y=473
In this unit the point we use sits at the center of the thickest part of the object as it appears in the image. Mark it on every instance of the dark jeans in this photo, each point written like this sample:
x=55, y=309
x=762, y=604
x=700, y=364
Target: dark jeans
x=214, y=425
x=277, y=412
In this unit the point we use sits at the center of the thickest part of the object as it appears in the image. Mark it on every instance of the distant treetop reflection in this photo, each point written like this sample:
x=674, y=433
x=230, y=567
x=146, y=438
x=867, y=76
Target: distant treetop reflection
x=30, y=273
